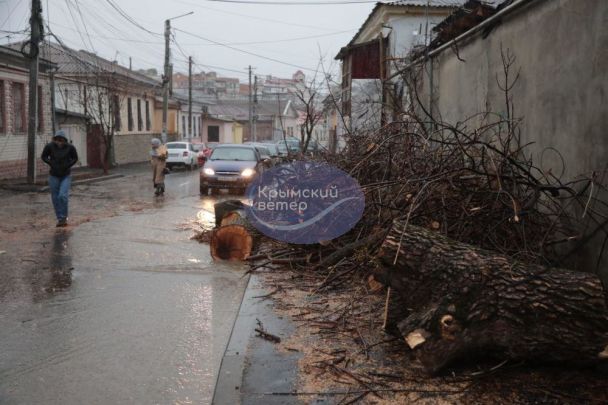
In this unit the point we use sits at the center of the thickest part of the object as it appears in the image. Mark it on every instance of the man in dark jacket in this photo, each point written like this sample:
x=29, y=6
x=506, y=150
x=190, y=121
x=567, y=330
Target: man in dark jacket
x=60, y=156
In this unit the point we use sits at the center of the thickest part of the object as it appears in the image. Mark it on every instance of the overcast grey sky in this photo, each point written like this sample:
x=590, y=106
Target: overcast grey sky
x=96, y=25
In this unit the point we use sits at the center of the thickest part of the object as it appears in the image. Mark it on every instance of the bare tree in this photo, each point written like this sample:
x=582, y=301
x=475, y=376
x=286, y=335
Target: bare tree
x=310, y=105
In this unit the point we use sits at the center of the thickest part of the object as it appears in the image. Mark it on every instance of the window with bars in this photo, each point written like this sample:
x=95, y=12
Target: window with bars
x=116, y=111
x=140, y=121
x=2, y=109
x=18, y=93
x=148, y=123
x=129, y=114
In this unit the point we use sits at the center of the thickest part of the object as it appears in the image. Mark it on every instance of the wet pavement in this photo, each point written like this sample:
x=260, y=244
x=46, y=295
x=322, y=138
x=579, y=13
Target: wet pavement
x=121, y=307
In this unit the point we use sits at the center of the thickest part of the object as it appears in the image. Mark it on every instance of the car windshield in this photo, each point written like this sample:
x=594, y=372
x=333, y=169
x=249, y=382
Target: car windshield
x=245, y=154
x=263, y=151
x=177, y=146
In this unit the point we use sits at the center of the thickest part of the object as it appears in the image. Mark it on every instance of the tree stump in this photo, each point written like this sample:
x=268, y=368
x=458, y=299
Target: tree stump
x=457, y=301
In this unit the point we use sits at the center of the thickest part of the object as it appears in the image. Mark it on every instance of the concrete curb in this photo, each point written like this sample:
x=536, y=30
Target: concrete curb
x=251, y=368
x=39, y=188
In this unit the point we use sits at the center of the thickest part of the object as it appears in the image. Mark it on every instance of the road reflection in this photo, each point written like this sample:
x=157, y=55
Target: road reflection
x=60, y=263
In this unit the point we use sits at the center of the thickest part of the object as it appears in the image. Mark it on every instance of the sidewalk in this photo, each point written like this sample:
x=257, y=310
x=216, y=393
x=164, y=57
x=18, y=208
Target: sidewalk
x=80, y=175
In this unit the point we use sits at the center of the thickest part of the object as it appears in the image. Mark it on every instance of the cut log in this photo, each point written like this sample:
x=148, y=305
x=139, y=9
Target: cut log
x=224, y=208
x=458, y=301
x=235, y=238
x=234, y=217
x=231, y=242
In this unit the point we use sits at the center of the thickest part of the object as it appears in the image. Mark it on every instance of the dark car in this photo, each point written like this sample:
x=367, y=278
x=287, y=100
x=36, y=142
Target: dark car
x=232, y=167
x=267, y=150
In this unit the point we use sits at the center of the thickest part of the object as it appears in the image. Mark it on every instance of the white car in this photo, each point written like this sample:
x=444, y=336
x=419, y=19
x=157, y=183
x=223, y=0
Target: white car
x=182, y=154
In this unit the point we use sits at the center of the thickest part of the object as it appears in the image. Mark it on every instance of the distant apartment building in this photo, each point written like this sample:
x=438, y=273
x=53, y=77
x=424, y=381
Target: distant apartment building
x=271, y=85
x=208, y=83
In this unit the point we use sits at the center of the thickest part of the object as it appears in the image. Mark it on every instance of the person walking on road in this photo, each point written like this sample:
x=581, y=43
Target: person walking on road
x=60, y=155
x=158, y=158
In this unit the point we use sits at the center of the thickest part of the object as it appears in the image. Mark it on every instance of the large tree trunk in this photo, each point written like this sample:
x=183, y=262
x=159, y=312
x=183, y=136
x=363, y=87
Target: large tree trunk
x=456, y=301
x=234, y=238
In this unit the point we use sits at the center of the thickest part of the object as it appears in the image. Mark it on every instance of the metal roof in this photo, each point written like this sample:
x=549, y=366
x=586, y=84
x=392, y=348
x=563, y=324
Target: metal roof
x=406, y=3
x=78, y=62
x=424, y=3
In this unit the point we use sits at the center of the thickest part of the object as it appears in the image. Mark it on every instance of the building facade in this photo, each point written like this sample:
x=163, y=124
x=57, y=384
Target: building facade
x=14, y=99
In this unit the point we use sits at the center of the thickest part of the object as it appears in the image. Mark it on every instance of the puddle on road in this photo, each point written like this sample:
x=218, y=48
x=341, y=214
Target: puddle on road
x=119, y=310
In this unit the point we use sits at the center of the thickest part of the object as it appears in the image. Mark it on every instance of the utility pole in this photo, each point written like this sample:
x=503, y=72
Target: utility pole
x=255, y=102
x=190, y=97
x=166, y=80
x=32, y=126
x=250, y=108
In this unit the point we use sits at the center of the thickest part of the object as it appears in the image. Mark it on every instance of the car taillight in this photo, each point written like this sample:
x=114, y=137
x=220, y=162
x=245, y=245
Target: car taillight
x=185, y=154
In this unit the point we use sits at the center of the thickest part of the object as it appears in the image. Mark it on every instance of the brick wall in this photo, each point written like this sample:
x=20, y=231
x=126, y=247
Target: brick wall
x=13, y=146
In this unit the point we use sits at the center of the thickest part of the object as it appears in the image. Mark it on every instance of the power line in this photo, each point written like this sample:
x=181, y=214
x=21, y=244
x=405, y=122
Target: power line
x=129, y=18
x=246, y=52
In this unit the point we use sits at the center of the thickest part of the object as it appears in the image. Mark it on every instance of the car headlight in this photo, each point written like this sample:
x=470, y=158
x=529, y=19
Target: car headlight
x=208, y=171
x=247, y=172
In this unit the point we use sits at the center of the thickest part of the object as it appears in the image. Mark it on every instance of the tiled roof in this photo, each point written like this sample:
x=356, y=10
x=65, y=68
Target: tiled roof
x=78, y=62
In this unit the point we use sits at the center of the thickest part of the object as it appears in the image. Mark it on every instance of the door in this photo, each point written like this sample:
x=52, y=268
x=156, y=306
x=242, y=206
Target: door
x=95, y=147
x=213, y=133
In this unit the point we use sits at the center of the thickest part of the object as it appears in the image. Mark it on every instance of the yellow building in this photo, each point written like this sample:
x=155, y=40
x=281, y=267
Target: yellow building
x=157, y=126
x=237, y=132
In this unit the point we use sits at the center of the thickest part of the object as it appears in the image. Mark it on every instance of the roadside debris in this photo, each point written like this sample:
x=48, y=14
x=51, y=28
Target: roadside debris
x=261, y=332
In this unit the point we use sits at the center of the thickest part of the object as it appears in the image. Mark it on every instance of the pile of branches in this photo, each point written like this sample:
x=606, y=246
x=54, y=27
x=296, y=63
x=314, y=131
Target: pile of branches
x=498, y=223
x=472, y=185
x=475, y=184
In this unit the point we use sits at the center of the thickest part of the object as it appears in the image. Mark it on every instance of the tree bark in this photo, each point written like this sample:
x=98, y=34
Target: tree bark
x=457, y=301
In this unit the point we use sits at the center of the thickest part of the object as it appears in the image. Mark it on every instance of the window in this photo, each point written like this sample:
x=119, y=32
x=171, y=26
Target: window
x=129, y=114
x=2, y=109
x=116, y=111
x=200, y=125
x=18, y=92
x=40, y=110
x=147, y=115
x=183, y=126
x=213, y=134
x=140, y=122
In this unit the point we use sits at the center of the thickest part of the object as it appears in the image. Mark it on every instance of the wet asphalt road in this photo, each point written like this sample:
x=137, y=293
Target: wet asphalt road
x=123, y=309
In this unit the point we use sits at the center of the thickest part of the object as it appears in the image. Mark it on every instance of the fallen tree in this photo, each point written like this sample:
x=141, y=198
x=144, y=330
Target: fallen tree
x=460, y=301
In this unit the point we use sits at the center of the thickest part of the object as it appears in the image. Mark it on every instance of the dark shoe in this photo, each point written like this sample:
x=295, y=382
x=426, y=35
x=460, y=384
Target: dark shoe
x=62, y=223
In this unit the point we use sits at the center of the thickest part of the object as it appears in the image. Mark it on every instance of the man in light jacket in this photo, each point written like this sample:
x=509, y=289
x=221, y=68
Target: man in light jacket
x=60, y=155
